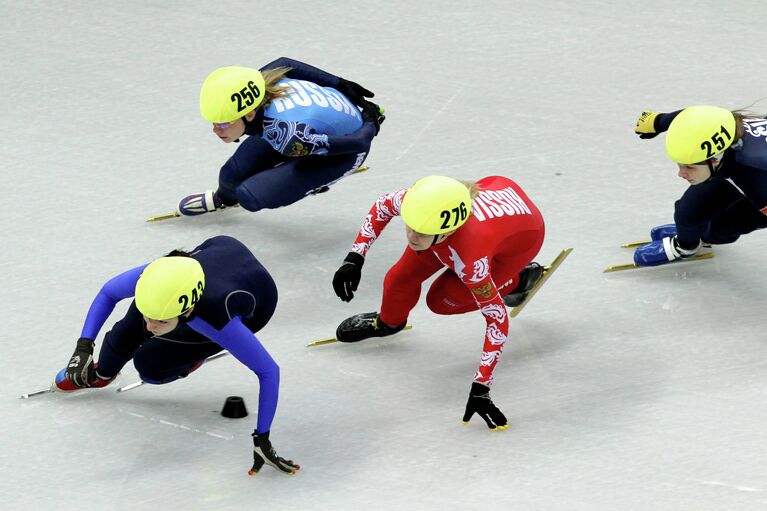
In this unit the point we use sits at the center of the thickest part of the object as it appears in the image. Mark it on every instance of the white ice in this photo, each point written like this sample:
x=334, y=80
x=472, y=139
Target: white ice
x=640, y=390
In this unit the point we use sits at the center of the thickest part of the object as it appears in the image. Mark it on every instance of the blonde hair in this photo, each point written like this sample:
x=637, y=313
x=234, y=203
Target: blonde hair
x=271, y=77
x=474, y=188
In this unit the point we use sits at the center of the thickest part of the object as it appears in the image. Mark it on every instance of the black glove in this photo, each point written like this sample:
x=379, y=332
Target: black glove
x=481, y=404
x=348, y=276
x=263, y=452
x=80, y=369
x=373, y=113
x=354, y=91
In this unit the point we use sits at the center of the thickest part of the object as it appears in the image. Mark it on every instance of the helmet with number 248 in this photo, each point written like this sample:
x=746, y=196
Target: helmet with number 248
x=169, y=287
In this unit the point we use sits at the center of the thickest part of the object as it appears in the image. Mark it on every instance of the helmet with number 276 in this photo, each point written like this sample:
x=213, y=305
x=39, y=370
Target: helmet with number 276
x=436, y=205
x=231, y=92
x=699, y=133
x=169, y=286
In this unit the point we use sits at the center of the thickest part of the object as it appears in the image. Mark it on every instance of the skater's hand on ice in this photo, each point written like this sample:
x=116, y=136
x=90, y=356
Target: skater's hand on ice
x=645, y=126
x=348, y=276
x=263, y=453
x=481, y=404
x=80, y=369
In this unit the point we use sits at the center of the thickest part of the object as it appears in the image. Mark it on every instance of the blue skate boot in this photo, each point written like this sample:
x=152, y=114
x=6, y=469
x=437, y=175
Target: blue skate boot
x=199, y=203
x=663, y=231
x=662, y=251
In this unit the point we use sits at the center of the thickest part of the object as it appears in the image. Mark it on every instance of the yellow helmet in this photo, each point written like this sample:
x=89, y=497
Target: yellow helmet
x=169, y=286
x=699, y=133
x=436, y=205
x=229, y=93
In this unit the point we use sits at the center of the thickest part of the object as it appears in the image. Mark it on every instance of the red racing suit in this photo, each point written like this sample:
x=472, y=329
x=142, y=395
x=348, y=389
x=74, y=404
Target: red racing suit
x=484, y=258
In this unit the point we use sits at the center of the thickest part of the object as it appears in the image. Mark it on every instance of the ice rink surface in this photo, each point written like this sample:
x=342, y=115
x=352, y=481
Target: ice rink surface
x=640, y=390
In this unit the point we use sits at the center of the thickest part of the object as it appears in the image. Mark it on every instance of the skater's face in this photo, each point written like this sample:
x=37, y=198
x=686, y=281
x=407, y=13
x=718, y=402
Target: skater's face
x=231, y=131
x=418, y=241
x=694, y=174
x=160, y=327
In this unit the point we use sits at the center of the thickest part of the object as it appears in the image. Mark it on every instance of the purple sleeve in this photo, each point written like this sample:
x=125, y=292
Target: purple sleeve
x=245, y=347
x=118, y=288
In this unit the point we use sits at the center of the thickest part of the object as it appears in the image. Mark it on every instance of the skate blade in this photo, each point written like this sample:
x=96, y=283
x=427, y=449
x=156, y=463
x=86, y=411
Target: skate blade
x=634, y=266
x=134, y=385
x=640, y=243
x=177, y=214
x=333, y=339
x=37, y=393
x=547, y=272
x=162, y=217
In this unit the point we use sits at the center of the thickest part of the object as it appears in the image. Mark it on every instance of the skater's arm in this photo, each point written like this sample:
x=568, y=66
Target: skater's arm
x=385, y=208
x=116, y=289
x=245, y=347
x=650, y=123
x=302, y=71
x=663, y=121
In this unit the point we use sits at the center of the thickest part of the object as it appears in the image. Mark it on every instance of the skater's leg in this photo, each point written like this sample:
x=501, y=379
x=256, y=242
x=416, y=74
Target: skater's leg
x=449, y=295
x=295, y=179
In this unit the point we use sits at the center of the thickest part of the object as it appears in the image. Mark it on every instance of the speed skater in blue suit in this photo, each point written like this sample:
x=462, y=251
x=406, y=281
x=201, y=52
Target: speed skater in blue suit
x=306, y=130
x=187, y=306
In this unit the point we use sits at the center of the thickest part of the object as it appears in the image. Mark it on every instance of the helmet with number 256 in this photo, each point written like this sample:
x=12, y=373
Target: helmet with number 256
x=169, y=286
x=436, y=205
x=231, y=92
x=699, y=133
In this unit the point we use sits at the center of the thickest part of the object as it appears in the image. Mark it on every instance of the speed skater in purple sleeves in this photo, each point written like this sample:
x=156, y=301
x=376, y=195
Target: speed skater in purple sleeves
x=187, y=306
x=723, y=155
x=307, y=129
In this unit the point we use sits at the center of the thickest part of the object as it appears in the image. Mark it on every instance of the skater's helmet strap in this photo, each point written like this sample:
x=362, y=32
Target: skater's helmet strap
x=231, y=92
x=436, y=205
x=699, y=133
x=169, y=286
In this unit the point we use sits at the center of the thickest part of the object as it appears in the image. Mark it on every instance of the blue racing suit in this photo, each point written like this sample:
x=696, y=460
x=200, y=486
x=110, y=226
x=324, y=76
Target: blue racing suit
x=297, y=145
x=734, y=200
x=239, y=299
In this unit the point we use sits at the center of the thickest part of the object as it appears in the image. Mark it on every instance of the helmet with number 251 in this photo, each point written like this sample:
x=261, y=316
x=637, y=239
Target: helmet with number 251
x=169, y=286
x=231, y=92
x=698, y=133
x=436, y=205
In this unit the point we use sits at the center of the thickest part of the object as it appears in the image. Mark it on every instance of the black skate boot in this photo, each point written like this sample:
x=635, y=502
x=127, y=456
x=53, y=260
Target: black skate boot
x=364, y=326
x=527, y=279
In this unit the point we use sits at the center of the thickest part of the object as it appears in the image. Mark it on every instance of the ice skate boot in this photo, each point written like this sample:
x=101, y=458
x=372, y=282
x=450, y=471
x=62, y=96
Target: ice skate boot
x=62, y=384
x=662, y=251
x=662, y=231
x=199, y=203
x=364, y=326
x=528, y=277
